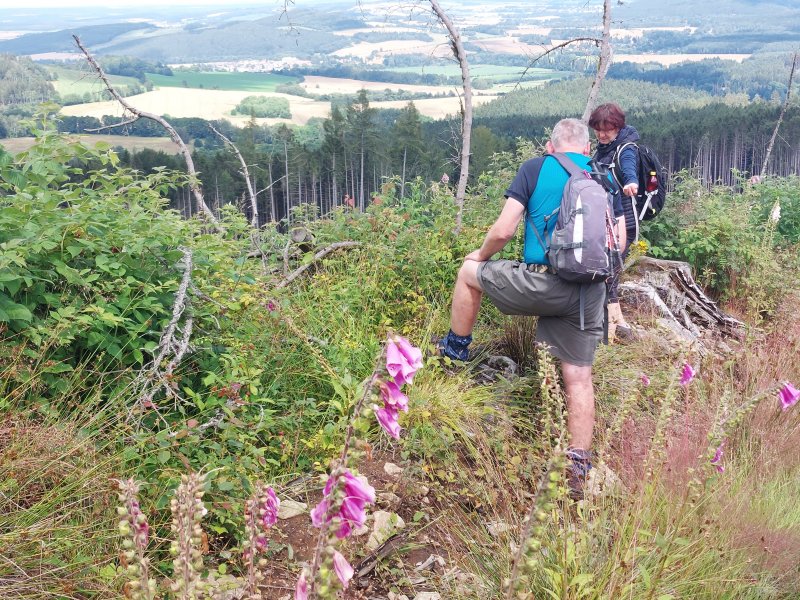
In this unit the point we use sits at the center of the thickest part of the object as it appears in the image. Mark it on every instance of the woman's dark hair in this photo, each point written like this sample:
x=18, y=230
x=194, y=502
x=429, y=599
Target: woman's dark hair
x=607, y=116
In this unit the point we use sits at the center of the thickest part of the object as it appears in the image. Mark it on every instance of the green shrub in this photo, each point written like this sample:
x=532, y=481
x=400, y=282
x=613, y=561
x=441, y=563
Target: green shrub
x=713, y=230
x=264, y=107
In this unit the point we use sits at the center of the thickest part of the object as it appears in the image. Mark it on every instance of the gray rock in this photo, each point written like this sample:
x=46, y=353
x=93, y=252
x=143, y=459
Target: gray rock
x=385, y=525
x=291, y=508
x=602, y=481
x=392, y=470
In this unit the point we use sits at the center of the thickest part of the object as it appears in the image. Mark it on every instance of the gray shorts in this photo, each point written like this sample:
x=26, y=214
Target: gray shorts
x=515, y=290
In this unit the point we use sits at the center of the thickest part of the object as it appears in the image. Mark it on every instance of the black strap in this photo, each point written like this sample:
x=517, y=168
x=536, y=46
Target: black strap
x=547, y=219
x=568, y=164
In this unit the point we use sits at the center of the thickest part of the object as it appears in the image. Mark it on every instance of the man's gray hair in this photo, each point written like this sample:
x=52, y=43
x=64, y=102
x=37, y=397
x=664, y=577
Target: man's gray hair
x=570, y=133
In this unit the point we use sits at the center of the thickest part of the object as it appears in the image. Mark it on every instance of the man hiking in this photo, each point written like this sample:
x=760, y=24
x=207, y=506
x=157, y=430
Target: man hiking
x=571, y=315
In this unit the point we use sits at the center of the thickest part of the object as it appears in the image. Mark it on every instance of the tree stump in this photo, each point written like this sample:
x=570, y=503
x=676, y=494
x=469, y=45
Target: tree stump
x=668, y=290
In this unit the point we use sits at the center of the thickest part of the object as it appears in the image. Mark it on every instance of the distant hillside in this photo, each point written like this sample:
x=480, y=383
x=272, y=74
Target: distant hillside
x=266, y=38
x=61, y=41
x=568, y=99
x=308, y=34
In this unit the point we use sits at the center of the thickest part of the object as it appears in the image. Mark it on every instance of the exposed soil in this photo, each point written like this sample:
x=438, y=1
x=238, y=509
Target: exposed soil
x=283, y=571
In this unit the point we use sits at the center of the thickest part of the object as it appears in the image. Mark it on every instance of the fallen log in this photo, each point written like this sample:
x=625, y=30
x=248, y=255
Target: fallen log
x=668, y=289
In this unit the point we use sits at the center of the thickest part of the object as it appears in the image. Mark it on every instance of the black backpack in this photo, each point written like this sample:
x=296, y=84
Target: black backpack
x=652, y=177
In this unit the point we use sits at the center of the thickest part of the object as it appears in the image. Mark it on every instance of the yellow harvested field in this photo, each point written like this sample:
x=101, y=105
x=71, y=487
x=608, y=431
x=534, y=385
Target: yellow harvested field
x=436, y=108
x=673, y=59
x=530, y=30
x=129, y=142
x=208, y=104
x=57, y=56
x=217, y=104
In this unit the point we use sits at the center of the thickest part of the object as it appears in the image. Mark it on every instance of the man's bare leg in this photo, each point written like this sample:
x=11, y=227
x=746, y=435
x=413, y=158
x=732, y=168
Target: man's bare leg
x=466, y=299
x=580, y=404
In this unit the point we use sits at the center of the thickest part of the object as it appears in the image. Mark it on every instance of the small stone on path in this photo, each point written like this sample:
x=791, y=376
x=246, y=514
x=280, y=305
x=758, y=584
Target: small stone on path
x=385, y=526
x=291, y=508
x=392, y=470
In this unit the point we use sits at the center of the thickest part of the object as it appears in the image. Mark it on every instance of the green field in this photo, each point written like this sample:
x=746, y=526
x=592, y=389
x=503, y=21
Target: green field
x=132, y=143
x=245, y=82
x=497, y=73
x=80, y=81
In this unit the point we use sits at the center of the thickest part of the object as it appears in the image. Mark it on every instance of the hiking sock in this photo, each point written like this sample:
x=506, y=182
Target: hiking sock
x=580, y=461
x=455, y=346
x=578, y=467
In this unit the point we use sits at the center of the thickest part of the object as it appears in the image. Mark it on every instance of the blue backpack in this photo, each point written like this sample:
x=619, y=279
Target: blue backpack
x=581, y=243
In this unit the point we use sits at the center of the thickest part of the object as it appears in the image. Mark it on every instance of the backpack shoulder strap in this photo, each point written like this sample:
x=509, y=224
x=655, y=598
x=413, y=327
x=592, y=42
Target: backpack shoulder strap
x=568, y=164
x=618, y=151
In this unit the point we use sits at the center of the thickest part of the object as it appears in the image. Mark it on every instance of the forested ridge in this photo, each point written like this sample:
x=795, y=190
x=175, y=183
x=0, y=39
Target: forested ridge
x=358, y=150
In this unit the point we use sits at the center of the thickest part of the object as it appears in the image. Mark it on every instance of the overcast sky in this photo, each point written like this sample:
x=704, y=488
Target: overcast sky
x=122, y=3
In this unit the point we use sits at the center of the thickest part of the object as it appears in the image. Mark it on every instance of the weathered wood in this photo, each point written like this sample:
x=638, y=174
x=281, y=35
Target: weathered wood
x=246, y=174
x=771, y=144
x=317, y=257
x=604, y=63
x=466, y=116
x=140, y=114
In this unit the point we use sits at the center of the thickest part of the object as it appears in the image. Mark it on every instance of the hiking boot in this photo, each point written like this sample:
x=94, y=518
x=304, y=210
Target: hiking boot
x=579, y=463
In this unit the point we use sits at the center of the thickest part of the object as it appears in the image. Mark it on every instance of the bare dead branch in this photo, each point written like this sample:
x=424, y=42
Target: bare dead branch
x=104, y=127
x=466, y=114
x=771, y=144
x=245, y=173
x=270, y=185
x=318, y=256
x=184, y=150
x=286, y=257
x=606, y=56
x=172, y=346
x=596, y=41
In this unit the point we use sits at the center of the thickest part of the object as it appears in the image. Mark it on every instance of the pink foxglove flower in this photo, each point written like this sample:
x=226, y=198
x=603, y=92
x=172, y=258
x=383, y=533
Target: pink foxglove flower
x=301, y=590
x=357, y=494
x=789, y=395
x=343, y=569
x=270, y=506
x=387, y=418
x=141, y=530
x=402, y=360
x=645, y=380
x=687, y=374
x=717, y=460
x=445, y=178
x=393, y=397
